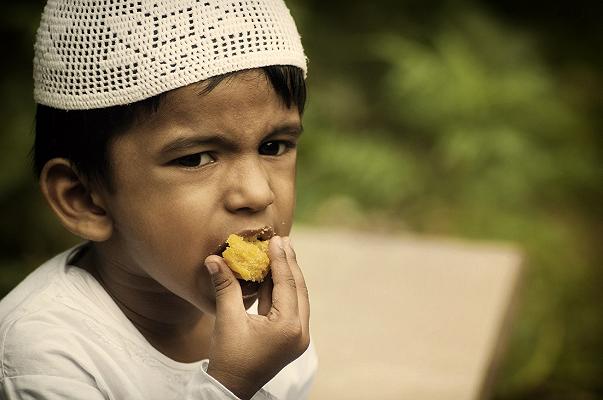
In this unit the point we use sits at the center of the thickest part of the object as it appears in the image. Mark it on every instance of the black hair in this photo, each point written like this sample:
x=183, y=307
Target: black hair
x=83, y=136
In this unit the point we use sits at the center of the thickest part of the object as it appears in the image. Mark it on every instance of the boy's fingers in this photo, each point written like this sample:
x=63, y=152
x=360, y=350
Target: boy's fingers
x=265, y=296
x=300, y=283
x=229, y=298
x=284, y=294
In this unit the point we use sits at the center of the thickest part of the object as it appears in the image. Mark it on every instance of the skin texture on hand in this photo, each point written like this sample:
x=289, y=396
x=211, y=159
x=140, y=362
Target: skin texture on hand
x=249, y=350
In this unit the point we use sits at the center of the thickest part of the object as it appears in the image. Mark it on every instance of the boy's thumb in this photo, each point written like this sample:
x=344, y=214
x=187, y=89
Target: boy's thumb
x=229, y=298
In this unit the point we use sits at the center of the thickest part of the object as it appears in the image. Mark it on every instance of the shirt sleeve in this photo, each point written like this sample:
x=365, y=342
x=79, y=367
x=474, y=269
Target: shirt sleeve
x=62, y=364
x=46, y=387
x=206, y=387
x=42, y=360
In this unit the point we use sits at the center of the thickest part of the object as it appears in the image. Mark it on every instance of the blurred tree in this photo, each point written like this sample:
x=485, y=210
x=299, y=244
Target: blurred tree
x=29, y=233
x=480, y=120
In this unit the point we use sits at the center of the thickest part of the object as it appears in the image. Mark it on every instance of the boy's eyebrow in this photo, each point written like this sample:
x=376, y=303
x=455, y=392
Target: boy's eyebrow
x=185, y=142
x=291, y=129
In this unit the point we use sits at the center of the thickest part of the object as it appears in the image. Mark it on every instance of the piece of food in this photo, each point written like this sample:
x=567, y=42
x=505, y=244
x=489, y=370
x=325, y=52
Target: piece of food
x=247, y=257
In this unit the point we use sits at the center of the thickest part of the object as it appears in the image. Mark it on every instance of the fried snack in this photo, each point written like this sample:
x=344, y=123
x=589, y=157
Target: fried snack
x=247, y=257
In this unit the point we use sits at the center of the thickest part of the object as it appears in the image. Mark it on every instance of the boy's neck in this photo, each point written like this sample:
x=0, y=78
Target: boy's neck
x=170, y=324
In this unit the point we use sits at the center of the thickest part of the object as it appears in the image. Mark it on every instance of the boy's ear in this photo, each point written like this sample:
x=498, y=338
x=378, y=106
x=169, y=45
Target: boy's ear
x=79, y=208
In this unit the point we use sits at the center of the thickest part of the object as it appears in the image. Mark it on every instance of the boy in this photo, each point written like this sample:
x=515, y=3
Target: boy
x=161, y=128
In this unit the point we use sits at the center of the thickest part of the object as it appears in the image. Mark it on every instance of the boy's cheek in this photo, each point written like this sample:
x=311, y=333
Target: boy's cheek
x=180, y=270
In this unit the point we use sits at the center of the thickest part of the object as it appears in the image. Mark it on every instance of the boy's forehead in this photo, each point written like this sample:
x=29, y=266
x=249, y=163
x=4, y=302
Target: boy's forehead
x=247, y=88
x=244, y=103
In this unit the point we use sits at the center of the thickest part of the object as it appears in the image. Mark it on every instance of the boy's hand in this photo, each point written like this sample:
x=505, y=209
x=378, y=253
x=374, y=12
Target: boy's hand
x=249, y=350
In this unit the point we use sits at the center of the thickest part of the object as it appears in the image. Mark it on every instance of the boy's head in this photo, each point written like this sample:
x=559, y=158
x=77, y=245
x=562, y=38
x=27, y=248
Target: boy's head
x=163, y=126
x=108, y=64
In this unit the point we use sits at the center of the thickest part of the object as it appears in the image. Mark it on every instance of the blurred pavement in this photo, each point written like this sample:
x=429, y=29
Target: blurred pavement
x=406, y=317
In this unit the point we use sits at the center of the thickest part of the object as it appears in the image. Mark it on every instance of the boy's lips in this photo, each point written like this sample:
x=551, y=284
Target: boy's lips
x=263, y=233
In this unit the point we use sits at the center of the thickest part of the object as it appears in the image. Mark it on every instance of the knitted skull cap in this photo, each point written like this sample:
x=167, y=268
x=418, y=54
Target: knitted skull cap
x=93, y=54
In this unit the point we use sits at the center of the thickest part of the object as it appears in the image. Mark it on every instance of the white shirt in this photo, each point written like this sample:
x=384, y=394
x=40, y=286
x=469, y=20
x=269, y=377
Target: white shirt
x=63, y=337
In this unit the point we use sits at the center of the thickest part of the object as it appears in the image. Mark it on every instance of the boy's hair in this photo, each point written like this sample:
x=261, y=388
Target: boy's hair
x=84, y=136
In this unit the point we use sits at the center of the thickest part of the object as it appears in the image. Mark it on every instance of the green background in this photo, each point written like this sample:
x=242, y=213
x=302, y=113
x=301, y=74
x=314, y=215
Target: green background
x=479, y=120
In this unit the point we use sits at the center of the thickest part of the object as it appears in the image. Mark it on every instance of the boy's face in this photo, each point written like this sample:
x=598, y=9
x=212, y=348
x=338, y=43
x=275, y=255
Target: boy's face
x=203, y=166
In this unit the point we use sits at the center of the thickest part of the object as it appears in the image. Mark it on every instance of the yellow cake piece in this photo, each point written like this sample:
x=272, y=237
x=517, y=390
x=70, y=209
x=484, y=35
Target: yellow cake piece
x=247, y=257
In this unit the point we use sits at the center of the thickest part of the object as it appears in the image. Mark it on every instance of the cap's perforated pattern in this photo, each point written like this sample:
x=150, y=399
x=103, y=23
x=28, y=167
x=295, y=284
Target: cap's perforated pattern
x=91, y=54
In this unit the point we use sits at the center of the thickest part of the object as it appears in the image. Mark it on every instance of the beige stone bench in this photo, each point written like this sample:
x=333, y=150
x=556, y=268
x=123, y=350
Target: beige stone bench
x=405, y=317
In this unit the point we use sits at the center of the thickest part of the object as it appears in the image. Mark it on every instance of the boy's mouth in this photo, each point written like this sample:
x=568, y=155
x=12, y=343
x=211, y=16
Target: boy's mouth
x=263, y=233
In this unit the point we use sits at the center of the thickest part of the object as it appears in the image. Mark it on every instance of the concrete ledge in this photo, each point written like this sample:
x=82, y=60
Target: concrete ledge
x=405, y=317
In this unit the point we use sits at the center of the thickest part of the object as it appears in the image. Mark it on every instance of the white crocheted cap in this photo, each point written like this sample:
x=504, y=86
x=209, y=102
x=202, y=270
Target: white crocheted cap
x=101, y=53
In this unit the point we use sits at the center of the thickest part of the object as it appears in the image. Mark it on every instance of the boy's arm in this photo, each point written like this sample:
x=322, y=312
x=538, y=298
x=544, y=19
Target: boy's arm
x=249, y=350
x=48, y=387
x=205, y=387
x=44, y=362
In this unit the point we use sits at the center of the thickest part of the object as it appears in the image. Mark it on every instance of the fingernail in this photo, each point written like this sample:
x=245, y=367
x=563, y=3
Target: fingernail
x=279, y=242
x=212, y=267
x=287, y=241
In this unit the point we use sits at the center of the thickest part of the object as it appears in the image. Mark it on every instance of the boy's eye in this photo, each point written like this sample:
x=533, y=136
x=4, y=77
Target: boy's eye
x=194, y=160
x=275, y=148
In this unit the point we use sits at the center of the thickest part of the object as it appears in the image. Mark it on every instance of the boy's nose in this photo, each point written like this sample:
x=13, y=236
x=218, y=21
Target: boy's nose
x=249, y=187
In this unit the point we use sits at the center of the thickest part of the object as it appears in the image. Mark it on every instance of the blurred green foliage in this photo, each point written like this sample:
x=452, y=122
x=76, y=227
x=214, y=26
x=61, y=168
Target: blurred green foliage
x=478, y=120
